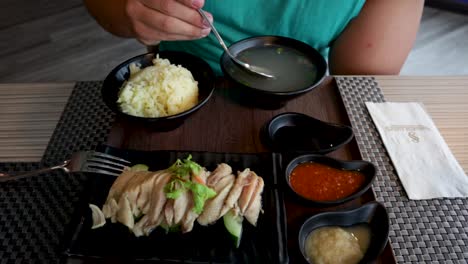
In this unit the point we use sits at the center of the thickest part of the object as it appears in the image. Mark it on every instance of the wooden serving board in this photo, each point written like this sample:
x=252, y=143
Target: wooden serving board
x=225, y=125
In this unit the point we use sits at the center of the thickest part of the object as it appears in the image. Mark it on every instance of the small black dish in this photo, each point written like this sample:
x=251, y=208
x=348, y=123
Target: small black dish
x=201, y=71
x=365, y=167
x=300, y=133
x=373, y=214
x=257, y=94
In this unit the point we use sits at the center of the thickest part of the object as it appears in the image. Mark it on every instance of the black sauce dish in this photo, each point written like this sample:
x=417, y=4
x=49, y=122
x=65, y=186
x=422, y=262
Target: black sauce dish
x=301, y=133
x=201, y=71
x=373, y=214
x=365, y=167
x=257, y=94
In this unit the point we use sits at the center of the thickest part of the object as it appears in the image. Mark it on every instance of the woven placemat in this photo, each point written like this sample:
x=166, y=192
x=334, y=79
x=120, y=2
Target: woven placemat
x=34, y=212
x=424, y=231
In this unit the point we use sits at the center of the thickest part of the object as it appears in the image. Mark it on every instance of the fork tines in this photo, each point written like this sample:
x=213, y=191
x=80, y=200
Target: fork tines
x=104, y=163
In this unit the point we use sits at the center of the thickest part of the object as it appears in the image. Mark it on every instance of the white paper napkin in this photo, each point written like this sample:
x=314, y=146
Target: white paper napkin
x=423, y=161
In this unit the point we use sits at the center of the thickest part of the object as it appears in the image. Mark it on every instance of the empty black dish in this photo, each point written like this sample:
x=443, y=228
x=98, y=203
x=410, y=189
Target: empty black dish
x=373, y=214
x=302, y=133
x=365, y=167
x=256, y=90
x=201, y=71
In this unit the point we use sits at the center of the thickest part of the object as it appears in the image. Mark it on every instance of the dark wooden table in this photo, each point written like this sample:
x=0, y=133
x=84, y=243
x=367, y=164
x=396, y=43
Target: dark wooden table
x=225, y=125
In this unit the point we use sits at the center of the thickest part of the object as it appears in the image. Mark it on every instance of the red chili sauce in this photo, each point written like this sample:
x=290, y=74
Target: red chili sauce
x=320, y=182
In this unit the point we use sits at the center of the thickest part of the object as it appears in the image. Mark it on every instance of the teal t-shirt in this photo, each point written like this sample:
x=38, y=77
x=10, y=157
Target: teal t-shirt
x=316, y=22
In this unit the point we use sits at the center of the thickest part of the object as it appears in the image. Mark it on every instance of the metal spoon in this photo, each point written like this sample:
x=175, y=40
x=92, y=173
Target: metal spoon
x=255, y=69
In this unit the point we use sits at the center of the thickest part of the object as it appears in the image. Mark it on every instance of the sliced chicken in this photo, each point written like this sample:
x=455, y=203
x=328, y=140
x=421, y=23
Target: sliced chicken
x=119, y=184
x=236, y=191
x=204, y=175
x=138, y=228
x=255, y=205
x=212, y=210
x=142, y=193
x=124, y=214
x=110, y=209
x=181, y=205
x=191, y=215
x=247, y=191
x=132, y=189
x=126, y=184
x=139, y=191
x=158, y=197
x=221, y=171
x=144, y=198
x=136, y=180
x=169, y=212
x=189, y=219
x=132, y=195
x=150, y=226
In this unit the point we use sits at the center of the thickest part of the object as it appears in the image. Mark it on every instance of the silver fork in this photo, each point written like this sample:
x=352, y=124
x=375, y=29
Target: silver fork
x=83, y=161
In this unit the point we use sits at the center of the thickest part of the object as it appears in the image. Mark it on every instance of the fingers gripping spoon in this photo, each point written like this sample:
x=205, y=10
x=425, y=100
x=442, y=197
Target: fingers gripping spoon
x=252, y=68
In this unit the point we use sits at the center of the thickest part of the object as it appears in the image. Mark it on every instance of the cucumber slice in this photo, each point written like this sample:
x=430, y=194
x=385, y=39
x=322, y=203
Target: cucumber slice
x=139, y=167
x=233, y=224
x=170, y=229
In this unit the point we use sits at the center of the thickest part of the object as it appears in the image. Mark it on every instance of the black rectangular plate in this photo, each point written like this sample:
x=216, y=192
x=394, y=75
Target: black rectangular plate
x=266, y=243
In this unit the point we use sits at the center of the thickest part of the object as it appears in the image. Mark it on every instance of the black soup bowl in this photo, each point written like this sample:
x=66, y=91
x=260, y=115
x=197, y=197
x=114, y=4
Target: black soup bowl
x=365, y=167
x=300, y=133
x=373, y=215
x=298, y=68
x=201, y=71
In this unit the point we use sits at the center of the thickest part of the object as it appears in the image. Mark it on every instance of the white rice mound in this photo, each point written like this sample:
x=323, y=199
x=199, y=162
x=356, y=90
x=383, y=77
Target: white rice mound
x=163, y=89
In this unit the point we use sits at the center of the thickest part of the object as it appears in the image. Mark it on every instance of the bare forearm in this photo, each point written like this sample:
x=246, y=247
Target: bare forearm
x=110, y=14
x=379, y=40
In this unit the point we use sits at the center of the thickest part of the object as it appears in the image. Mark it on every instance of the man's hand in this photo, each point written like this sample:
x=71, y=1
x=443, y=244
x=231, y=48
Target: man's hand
x=151, y=21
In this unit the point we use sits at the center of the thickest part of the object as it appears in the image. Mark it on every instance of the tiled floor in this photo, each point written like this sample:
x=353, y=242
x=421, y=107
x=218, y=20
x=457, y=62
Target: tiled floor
x=441, y=46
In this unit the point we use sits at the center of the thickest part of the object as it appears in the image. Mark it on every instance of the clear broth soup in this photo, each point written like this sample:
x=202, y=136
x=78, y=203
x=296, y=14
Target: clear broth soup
x=292, y=69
